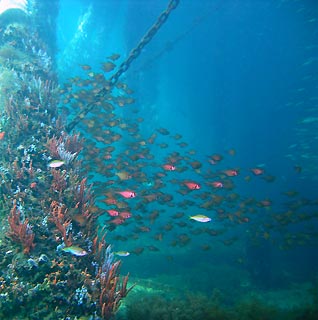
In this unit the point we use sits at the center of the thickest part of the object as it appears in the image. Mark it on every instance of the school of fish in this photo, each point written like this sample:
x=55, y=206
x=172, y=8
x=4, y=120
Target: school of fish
x=155, y=191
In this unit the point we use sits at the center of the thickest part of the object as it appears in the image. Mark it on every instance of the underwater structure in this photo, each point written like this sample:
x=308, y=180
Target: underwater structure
x=54, y=263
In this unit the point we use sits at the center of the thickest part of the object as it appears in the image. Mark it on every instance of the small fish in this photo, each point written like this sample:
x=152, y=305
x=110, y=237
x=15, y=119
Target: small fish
x=2, y=134
x=76, y=251
x=200, y=218
x=56, y=163
x=192, y=185
x=125, y=214
x=33, y=185
x=231, y=172
x=169, y=167
x=127, y=194
x=122, y=253
x=257, y=171
x=265, y=203
x=113, y=213
x=86, y=67
x=114, y=56
x=108, y=66
x=122, y=175
x=217, y=184
x=117, y=221
x=196, y=164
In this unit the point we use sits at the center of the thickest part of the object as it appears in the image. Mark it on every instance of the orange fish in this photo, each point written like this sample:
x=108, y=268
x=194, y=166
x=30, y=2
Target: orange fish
x=33, y=185
x=192, y=185
x=2, y=135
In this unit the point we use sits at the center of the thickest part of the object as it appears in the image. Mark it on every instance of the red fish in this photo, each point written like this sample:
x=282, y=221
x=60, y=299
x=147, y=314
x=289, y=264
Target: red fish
x=192, y=185
x=231, y=172
x=113, y=213
x=127, y=194
x=257, y=171
x=217, y=184
x=169, y=167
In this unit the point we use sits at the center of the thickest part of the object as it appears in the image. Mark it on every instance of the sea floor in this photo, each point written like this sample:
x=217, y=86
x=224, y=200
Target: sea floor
x=157, y=299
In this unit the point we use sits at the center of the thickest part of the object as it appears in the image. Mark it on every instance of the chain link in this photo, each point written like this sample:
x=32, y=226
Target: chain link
x=134, y=53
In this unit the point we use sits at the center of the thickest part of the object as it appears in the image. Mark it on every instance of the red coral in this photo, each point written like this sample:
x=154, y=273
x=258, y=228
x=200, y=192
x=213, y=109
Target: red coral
x=52, y=145
x=59, y=180
x=58, y=216
x=112, y=289
x=20, y=232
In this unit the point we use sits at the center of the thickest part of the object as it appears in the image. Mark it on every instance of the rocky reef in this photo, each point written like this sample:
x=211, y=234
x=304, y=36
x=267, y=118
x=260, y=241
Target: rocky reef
x=55, y=263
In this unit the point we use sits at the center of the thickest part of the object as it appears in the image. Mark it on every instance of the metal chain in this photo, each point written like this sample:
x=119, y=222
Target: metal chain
x=134, y=53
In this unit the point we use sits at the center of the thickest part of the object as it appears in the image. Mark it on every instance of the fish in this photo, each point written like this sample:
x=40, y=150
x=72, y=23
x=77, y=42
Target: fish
x=108, y=66
x=231, y=172
x=169, y=167
x=117, y=221
x=192, y=185
x=196, y=164
x=163, y=131
x=127, y=194
x=114, y=56
x=217, y=184
x=56, y=163
x=257, y=171
x=123, y=175
x=122, y=253
x=86, y=67
x=200, y=218
x=125, y=214
x=75, y=250
x=113, y=213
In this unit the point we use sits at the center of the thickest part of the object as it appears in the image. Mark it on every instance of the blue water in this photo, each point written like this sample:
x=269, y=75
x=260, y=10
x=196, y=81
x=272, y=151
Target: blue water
x=225, y=75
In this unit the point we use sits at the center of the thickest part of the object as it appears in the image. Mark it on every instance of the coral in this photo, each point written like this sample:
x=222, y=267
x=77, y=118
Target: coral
x=52, y=207
x=112, y=290
x=20, y=232
x=61, y=221
x=12, y=54
x=59, y=182
x=66, y=147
